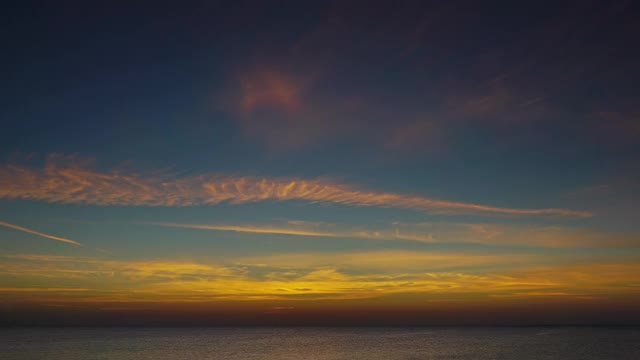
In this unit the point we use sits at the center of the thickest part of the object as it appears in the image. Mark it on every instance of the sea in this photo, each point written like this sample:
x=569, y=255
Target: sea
x=297, y=343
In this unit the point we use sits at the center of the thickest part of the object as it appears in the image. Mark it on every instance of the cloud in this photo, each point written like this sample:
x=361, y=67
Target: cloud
x=285, y=103
x=495, y=103
x=307, y=277
x=118, y=273
x=615, y=198
x=80, y=184
x=250, y=229
x=550, y=236
x=281, y=109
x=386, y=262
x=35, y=290
x=56, y=238
x=268, y=88
x=529, y=235
x=299, y=228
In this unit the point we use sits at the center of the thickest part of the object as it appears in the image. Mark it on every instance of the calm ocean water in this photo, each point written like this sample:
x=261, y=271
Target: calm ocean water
x=320, y=343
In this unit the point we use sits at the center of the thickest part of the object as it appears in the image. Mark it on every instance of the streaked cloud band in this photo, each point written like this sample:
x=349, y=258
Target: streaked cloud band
x=448, y=232
x=83, y=185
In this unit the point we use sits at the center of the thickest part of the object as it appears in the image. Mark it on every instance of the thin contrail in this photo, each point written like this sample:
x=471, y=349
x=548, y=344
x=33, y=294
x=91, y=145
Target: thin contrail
x=56, y=238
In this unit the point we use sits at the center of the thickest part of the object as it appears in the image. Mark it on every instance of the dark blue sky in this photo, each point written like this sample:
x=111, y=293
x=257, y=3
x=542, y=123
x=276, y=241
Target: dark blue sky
x=168, y=133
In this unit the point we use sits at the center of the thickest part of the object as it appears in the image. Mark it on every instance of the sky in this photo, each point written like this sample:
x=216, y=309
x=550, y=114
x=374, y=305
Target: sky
x=321, y=162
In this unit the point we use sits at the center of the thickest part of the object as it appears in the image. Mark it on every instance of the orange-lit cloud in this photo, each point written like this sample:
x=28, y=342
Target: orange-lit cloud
x=550, y=236
x=299, y=228
x=306, y=277
x=447, y=232
x=251, y=229
x=76, y=183
x=387, y=262
x=23, y=229
x=117, y=272
x=42, y=289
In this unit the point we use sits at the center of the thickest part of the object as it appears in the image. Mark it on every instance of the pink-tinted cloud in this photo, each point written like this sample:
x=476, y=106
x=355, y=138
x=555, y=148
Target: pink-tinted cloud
x=268, y=88
x=274, y=107
x=78, y=183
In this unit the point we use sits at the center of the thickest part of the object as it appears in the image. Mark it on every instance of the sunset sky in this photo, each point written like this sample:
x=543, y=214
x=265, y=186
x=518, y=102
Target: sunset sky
x=237, y=162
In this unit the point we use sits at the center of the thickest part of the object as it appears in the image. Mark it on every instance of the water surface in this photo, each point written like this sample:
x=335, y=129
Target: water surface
x=320, y=343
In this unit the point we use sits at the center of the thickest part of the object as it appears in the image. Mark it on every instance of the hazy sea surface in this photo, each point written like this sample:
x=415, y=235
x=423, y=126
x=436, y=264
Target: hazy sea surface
x=320, y=343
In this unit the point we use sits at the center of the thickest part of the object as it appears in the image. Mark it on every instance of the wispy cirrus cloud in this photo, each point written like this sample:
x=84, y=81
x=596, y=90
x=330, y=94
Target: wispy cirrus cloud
x=444, y=232
x=30, y=231
x=303, y=228
x=80, y=184
x=265, y=229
